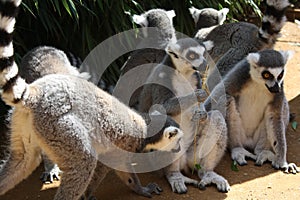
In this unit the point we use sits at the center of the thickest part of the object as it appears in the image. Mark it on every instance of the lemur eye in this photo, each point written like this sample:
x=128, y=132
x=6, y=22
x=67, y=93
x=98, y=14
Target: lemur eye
x=191, y=55
x=280, y=75
x=151, y=150
x=174, y=54
x=267, y=75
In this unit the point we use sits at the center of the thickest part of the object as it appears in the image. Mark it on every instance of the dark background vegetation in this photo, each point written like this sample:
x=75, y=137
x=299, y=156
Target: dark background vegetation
x=77, y=26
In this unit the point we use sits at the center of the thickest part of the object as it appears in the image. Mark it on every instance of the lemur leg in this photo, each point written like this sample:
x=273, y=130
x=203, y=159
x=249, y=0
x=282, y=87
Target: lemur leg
x=24, y=158
x=72, y=151
x=263, y=146
x=99, y=174
x=51, y=172
x=210, y=148
x=276, y=129
x=236, y=134
x=76, y=176
x=176, y=179
x=133, y=182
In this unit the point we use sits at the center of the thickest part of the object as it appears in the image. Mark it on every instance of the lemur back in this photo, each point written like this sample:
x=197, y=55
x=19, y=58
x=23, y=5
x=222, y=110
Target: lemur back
x=233, y=41
x=44, y=60
x=150, y=51
x=70, y=119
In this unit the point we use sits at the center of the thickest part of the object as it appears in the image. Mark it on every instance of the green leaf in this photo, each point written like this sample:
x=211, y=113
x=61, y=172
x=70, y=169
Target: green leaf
x=234, y=166
x=294, y=125
x=197, y=166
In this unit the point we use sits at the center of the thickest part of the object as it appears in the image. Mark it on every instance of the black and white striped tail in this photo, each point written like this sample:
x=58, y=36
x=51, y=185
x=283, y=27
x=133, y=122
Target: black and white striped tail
x=12, y=86
x=273, y=20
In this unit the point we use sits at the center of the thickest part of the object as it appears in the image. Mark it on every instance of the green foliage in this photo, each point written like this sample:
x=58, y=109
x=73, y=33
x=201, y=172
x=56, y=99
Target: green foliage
x=234, y=166
x=79, y=25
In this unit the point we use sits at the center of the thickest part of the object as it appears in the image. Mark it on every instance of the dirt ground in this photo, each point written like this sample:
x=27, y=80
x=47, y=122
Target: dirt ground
x=250, y=182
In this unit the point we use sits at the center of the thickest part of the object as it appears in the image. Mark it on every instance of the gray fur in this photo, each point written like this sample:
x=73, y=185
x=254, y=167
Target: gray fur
x=207, y=19
x=45, y=60
x=233, y=41
x=69, y=119
x=41, y=61
x=148, y=57
x=256, y=117
x=173, y=85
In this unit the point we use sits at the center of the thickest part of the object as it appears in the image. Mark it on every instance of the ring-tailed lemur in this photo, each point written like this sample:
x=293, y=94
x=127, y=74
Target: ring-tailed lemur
x=233, y=41
x=41, y=61
x=147, y=56
x=173, y=85
x=36, y=64
x=257, y=111
x=207, y=19
x=68, y=118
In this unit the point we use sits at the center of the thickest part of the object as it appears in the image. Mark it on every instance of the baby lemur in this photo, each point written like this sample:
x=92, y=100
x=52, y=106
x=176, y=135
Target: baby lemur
x=71, y=120
x=257, y=110
x=173, y=86
x=233, y=41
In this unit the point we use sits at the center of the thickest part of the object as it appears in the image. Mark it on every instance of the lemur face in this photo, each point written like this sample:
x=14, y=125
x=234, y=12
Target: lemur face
x=188, y=55
x=268, y=68
x=169, y=141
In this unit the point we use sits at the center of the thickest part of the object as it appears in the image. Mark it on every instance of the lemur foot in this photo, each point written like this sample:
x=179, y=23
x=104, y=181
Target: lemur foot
x=51, y=174
x=178, y=181
x=201, y=95
x=149, y=189
x=239, y=154
x=264, y=156
x=211, y=177
x=286, y=167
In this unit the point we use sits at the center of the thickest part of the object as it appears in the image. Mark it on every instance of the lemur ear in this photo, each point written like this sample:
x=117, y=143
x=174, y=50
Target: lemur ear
x=287, y=55
x=253, y=58
x=140, y=20
x=171, y=14
x=208, y=45
x=195, y=13
x=222, y=15
x=170, y=134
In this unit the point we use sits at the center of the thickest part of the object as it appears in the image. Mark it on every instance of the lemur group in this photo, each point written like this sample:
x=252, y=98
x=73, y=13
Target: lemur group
x=221, y=90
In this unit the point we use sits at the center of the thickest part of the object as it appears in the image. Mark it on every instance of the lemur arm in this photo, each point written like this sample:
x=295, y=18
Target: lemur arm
x=175, y=105
x=277, y=121
x=133, y=182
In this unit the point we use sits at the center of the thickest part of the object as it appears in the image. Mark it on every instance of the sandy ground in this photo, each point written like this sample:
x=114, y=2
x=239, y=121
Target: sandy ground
x=250, y=182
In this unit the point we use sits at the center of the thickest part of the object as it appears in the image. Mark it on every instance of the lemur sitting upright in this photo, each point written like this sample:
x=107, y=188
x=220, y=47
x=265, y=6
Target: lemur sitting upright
x=173, y=86
x=233, y=41
x=257, y=112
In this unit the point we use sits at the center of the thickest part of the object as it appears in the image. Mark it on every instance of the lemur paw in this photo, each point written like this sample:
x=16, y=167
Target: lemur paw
x=286, y=167
x=212, y=177
x=49, y=175
x=239, y=154
x=264, y=156
x=199, y=115
x=149, y=189
x=178, y=181
x=201, y=95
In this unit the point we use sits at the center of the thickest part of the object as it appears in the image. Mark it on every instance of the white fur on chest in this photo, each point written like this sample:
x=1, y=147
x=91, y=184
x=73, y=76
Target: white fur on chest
x=252, y=104
x=183, y=84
